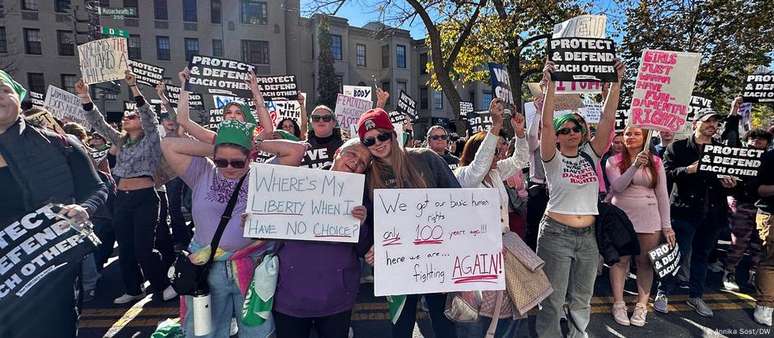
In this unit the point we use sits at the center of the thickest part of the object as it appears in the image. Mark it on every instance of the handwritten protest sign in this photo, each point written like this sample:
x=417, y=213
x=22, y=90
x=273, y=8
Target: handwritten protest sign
x=407, y=106
x=65, y=106
x=146, y=74
x=665, y=260
x=759, y=88
x=303, y=203
x=730, y=161
x=583, y=26
x=360, y=92
x=578, y=59
x=592, y=110
x=479, y=121
x=44, y=120
x=437, y=240
x=173, y=95
x=501, y=83
x=561, y=101
x=397, y=117
x=349, y=109
x=285, y=110
x=466, y=107
x=698, y=106
x=103, y=60
x=578, y=87
x=663, y=89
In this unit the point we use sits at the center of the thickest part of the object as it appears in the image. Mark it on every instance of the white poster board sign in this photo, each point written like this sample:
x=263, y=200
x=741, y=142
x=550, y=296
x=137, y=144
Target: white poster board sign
x=592, y=110
x=302, y=203
x=349, y=109
x=437, y=240
x=65, y=106
x=103, y=60
x=583, y=26
x=360, y=92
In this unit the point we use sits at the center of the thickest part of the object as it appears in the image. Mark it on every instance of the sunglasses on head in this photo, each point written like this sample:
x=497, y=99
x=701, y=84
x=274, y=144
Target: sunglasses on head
x=223, y=163
x=369, y=141
x=325, y=118
x=439, y=137
x=565, y=131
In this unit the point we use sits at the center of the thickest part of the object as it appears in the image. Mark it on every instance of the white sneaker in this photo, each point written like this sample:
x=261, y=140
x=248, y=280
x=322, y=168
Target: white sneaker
x=762, y=315
x=729, y=281
x=127, y=298
x=234, y=327
x=169, y=293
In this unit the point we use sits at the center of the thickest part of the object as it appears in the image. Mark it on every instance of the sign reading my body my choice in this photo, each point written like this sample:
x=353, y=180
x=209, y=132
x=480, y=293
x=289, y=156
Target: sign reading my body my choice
x=437, y=240
x=228, y=77
x=579, y=59
x=302, y=203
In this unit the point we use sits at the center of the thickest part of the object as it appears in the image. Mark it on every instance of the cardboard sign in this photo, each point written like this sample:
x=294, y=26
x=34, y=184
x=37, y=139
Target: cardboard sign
x=731, y=161
x=214, y=118
x=759, y=88
x=195, y=100
x=501, y=83
x=437, y=240
x=578, y=87
x=663, y=89
x=224, y=75
x=147, y=74
x=466, y=108
x=583, y=26
x=621, y=118
x=103, y=60
x=360, y=92
x=302, y=203
x=407, y=106
x=561, y=101
x=479, y=121
x=592, y=110
x=397, y=117
x=665, y=260
x=349, y=109
x=65, y=106
x=44, y=120
x=582, y=59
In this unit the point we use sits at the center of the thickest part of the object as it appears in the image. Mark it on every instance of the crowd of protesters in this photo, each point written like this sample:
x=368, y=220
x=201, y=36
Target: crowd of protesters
x=555, y=179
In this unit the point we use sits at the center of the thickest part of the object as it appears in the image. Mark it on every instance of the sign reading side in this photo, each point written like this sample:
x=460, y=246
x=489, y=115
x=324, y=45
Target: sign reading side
x=437, y=240
x=302, y=203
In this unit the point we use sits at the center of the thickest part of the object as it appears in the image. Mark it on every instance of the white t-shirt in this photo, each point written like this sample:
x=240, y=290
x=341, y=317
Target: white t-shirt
x=573, y=186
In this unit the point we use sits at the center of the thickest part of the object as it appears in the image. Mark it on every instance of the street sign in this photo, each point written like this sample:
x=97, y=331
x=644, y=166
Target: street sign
x=118, y=12
x=114, y=32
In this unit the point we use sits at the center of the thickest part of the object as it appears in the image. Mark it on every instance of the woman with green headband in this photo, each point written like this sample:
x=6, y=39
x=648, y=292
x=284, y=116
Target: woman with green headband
x=566, y=240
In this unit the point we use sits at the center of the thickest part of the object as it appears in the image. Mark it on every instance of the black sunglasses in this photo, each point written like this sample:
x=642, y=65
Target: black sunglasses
x=325, y=118
x=369, y=141
x=236, y=164
x=565, y=131
x=439, y=137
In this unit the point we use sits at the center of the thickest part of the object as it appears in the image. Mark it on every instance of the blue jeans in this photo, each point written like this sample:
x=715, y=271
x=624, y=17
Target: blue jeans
x=89, y=274
x=699, y=238
x=225, y=303
x=506, y=328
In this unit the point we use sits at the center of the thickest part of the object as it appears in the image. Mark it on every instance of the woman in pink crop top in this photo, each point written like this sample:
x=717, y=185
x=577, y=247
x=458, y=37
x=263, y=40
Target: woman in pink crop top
x=638, y=185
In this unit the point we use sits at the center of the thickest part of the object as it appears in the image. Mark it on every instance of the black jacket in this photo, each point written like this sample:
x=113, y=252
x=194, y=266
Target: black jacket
x=698, y=196
x=615, y=234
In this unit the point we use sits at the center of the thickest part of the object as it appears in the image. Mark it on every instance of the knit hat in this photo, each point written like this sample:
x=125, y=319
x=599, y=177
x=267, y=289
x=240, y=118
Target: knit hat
x=235, y=132
x=7, y=79
x=246, y=111
x=373, y=119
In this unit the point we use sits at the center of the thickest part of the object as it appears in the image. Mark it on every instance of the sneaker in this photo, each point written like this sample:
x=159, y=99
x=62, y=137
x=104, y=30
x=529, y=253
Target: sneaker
x=638, y=317
x=127, y=298
x=700, y=306
x=762, y=315
x=661, y=303
x=234, y=329
x=89, y=295
x=169, y=293
x=729, y=281
x=620, y=313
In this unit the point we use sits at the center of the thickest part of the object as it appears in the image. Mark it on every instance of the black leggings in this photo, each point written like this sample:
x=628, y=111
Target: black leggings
x=537, y=201
x=436, y=303
x=333, y=326
x=134, y=219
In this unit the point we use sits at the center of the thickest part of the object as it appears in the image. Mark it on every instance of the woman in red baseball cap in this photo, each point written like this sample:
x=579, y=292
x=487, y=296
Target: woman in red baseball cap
x=394, y=167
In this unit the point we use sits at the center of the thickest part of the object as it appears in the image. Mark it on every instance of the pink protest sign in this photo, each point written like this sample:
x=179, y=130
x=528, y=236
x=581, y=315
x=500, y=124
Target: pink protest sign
x=662, y=94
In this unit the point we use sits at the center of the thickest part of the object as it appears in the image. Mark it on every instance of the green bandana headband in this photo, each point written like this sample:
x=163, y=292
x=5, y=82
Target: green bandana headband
x=235, y=132
x=246, y=111
x=7, y=79
x=559, y=121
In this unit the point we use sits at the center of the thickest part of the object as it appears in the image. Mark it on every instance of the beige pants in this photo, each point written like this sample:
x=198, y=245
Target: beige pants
x=764, y=280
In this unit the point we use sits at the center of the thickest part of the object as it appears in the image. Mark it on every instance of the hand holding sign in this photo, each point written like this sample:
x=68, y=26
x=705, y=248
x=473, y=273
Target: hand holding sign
x=252, y=82
x=496, y=109
x=82, y=90
x=517, y=123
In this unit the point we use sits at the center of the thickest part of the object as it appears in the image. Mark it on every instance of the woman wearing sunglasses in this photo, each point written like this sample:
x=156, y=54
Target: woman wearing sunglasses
x=566, y=241
x=324, y=138
x=482, y=166
x=394, y=167
x=136, y=206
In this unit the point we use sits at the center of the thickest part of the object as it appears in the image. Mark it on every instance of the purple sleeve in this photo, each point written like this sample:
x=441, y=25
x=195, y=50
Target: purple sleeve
x=661, y=195
x=197, y=171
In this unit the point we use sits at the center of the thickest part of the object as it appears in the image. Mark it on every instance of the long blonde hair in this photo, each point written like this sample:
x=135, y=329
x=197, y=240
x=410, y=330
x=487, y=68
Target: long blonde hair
x=405, y=172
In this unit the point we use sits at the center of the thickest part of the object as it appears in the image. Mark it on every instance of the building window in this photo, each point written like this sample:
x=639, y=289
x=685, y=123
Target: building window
x=217, y=47
x=423, y=98
x=400, y=56
x=386, y=56
x=191, y=48
x=160, y=9
x=423, y=63
x=36, y=82
x=189, y=10
x=3, y=41
x=32, y=43
x=360, y=54
x=62, y=6
x=64, y=41
x=30, y=5
x=437, y=100
x=132, y=4
x=486, y=99
x=336, y=48
x=255, y=52
x=386, y=87
x=68, y=82
x=104, y=3
x=215, y=11
x=134, y=46
x=255, y=12
x=162, y=47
